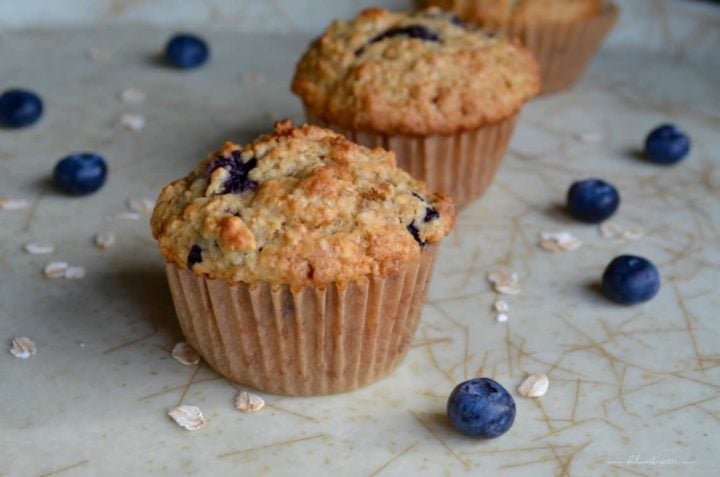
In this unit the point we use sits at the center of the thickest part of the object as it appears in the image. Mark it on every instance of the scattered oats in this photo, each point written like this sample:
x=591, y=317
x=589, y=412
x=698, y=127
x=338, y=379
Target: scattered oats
x=249, y=402
x=104, y=240
x=96, y=54
x=535, y=385
x=501, y=306
x=559, y=242
x=504, y=282
x=609, y=230
x=132, y=122
x=22, y=347
x=502, y=317
x=39, y=248
x=633, y=234
x=132, y=96
x=124, y=216
x=8, y=203
x=55, y=269
x=252, y=79
x=74, y=273
x=590, y=137
x=188, y=417
x=141, y=206
x=186, y=354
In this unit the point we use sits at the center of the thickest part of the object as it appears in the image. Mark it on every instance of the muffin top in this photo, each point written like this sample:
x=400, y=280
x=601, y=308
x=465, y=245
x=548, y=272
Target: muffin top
x=520, y=12
x=299, y=206
x=413, y=74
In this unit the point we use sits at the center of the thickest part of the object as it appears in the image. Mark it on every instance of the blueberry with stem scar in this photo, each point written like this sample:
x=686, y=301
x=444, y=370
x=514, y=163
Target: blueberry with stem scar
x=481, y=408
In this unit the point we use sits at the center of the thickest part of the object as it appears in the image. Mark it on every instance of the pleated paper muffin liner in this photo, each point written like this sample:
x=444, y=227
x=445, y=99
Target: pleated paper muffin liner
x=564, y=50
x=305, y=342
x=461, y=165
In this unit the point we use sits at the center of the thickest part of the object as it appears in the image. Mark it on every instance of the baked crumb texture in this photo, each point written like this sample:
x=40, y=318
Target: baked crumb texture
x=300, y=206
x=413, y=74
x=500, y=13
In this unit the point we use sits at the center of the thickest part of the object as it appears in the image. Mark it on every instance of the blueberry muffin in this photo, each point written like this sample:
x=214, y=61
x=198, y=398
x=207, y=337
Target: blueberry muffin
x=442, y=97
x=299, y=263
x=563, y=35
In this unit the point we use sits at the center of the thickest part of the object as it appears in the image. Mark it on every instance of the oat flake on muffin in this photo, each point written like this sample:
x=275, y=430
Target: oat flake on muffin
x=300, y=206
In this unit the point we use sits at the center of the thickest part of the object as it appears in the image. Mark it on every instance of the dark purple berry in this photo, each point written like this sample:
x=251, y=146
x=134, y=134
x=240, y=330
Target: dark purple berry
x=419, y=32
x=592, y=200
x=666, y=144
x=185, y=51
x=629, y=279
x=455, y=20
x=19, y=108
x=412, y=228
x=238, y=171
x=431, y=214
x=195, y=256
x=81, y=173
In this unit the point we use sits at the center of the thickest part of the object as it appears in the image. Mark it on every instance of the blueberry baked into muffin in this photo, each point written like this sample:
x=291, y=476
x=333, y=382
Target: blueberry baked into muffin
x=563, y=35
x=442, y=97
x=299, y=263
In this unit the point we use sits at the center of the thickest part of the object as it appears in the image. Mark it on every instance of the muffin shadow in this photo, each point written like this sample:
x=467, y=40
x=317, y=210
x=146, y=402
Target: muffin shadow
x=141, y=291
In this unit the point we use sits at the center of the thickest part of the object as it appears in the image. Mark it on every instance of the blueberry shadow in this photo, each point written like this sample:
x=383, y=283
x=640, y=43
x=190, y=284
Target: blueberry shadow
x=45, y=186
x=594, y=291
x=637, y=155
x=157, y=59
x=558, y=211
x=438, y=421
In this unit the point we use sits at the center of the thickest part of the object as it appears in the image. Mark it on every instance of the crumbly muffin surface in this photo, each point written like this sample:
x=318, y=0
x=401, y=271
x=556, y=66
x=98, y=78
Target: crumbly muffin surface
x=413, y=74
x=300, y=206
x=498, y=13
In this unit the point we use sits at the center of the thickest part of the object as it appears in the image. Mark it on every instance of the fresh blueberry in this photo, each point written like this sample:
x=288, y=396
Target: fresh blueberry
x=412, y=228
x=629, y=280
x=19, y=108
x=592, y=200
x=80, y=173
x=238, y=172
x=666, y=144
x=186, y=51
x=481, y=407
x=455, y=20
x=420, y=32
x=194, y=256
x=431, y=214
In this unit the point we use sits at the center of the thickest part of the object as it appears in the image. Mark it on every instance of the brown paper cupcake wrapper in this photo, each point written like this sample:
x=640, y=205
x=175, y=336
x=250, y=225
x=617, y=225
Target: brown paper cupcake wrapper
x=565, y=49
x=460, y=165
x=308, y=342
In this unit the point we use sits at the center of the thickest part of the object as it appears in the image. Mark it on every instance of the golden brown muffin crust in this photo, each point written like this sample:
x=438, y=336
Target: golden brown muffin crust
x=300, y=206
x=499, y=13
x=413, y=74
